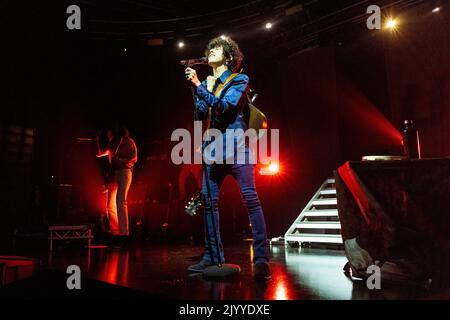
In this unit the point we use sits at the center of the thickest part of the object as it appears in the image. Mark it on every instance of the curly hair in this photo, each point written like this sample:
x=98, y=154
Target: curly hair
x=231, y=51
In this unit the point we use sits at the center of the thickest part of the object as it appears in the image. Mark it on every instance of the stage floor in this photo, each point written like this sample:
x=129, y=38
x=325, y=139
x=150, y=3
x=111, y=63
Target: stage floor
x=160, y=270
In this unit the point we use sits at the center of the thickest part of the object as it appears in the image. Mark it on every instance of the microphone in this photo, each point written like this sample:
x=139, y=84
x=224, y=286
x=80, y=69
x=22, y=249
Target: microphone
x=192, y=62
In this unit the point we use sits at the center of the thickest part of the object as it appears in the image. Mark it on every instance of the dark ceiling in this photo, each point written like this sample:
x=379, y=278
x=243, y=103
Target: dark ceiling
x=297, y=23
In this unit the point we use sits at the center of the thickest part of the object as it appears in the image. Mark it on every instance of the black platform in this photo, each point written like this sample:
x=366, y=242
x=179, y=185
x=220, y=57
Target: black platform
x=159, y=271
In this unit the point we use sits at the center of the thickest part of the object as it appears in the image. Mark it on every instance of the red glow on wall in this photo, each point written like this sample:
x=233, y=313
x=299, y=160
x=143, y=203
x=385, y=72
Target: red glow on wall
x=366, y=119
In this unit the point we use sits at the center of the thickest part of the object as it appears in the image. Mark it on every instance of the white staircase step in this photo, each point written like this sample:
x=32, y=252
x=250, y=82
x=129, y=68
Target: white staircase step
x=324, y=202
x=319, y=225
x=324, y=238
x=328, y=191
x=322, y=213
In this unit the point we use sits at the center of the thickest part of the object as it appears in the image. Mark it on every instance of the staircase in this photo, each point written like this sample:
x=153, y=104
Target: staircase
x=319, y=220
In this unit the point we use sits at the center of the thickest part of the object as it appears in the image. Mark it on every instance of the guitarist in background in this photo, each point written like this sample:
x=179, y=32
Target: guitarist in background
x=122, y=155
x=222, y=98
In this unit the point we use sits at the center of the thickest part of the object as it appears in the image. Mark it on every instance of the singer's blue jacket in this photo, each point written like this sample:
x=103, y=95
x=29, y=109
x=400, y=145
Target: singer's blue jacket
x=227, y=109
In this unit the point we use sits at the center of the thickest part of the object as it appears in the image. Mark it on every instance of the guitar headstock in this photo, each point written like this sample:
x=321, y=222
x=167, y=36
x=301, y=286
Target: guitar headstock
x=194, y=204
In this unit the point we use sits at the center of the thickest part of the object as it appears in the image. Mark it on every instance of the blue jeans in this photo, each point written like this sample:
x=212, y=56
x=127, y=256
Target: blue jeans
x=117, y=202
x=244, y=175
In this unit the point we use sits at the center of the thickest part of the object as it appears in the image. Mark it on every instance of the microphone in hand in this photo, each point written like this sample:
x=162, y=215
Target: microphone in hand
x=193, y=62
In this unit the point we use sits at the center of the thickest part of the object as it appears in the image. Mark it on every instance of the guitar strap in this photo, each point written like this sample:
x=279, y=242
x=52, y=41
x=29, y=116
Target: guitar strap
x=118, y=146
x=219, y=91
x=220, y=86
x=114, y=155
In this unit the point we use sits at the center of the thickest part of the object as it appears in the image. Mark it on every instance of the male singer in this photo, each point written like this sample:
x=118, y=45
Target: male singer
x=222, y=98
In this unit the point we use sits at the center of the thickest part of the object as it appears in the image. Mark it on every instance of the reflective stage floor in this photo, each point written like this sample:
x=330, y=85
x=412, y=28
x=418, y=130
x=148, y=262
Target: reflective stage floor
x=160, y=270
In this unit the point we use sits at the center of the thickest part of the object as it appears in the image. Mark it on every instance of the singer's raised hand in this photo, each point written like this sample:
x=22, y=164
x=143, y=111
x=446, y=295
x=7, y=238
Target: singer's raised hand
x=191, y=75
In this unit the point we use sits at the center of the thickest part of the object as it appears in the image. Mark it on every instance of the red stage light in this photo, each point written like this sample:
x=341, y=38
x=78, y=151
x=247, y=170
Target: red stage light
x=273, y=167
x=270, y=170
x=366, y=119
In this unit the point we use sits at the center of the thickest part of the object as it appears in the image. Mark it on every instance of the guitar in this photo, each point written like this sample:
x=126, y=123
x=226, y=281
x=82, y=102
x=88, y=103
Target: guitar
x=253, y=117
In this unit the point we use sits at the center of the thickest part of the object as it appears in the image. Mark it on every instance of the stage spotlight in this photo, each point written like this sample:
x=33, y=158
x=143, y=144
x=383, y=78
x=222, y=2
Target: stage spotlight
x=273, y=167
x=124, y=49
x=180, y=44
x=270, y=170
x=269, y=25
x=391, y=24
x=223, y=37
x=435, y=10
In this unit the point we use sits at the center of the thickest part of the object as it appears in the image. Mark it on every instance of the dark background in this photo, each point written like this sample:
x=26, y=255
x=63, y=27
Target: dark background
x=338, y=98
